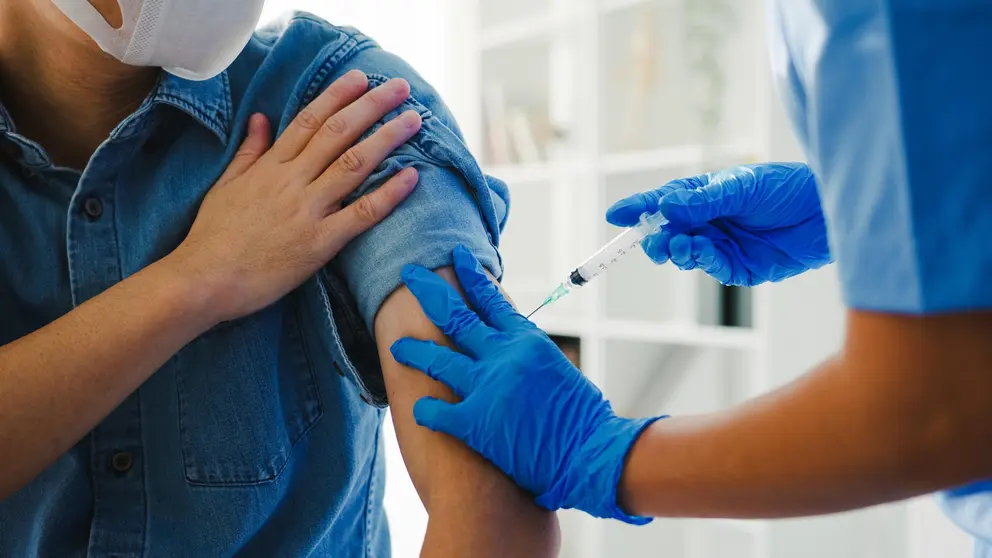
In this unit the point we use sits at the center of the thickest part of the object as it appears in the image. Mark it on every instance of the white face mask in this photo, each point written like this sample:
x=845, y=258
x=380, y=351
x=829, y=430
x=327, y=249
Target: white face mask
x=193, y=39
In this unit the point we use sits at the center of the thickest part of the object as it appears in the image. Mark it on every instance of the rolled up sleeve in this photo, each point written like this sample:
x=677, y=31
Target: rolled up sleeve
x=453, y=204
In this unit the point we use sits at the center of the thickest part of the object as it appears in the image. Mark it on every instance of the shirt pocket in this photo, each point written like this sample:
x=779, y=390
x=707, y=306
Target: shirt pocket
x=247, y=395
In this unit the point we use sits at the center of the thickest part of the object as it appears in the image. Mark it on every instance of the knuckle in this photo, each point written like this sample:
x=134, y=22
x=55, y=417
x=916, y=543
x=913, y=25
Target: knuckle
x=245, y=153
x=308, y=120
x=395, y=130
x=352, y=160
x=336, y=125
x=376, y=99
x=366, y=209
x=463, y=320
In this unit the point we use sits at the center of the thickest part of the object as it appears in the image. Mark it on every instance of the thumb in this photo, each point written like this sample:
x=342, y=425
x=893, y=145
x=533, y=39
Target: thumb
x=724, y=195
x=441, y=416
x=256, y=143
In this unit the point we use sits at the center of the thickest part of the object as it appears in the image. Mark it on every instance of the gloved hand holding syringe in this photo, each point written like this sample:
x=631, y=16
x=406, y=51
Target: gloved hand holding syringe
x=743, y=226
x=624, y=243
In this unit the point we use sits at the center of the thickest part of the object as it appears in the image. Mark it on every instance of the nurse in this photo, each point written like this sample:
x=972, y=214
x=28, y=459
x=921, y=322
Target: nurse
x=897, y=128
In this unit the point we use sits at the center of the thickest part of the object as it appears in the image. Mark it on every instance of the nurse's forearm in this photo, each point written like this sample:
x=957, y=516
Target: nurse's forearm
x=58, y=383
x=902, y=412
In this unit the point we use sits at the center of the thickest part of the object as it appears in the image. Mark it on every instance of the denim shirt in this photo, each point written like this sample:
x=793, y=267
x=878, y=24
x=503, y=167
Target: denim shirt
x=261, y=437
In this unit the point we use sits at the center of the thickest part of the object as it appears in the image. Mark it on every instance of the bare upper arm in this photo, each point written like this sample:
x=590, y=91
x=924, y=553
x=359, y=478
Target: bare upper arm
x=474, y=509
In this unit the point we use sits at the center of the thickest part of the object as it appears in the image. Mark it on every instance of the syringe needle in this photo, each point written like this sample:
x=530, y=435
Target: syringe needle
x=543, y=304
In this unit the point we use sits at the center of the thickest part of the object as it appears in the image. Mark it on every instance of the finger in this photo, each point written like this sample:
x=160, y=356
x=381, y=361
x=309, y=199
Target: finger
x=340, y=228
x=347, y=89
x=452, y=369
x=443, y=417
x=342, y=129
x=483, y=294
x=352, y=168
x=256, y=143
x=724, y=195
x=627, y=212
x=448, y=311
x=711, y=260
x=681, y=250
x=656, y=246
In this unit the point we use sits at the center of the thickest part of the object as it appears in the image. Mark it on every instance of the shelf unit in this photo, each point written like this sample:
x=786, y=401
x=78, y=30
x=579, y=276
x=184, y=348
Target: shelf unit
x=610, y=107
x=619, y=97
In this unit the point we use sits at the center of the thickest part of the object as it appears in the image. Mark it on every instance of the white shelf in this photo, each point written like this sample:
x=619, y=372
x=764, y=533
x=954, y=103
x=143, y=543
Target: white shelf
x=689, y=335
x=562, y=327
x=516, y=31
x=607, y=6
x=689, y=156
x=568, y=64
x=686, y=335
x=754, y=528
x=521, y=174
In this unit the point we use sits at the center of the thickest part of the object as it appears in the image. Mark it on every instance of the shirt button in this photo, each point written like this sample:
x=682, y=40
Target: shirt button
x=121, y=462
x=93, y=208
x=339, y=369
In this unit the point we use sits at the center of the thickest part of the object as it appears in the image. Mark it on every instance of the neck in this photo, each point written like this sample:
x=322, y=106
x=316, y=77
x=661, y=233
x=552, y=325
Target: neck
x=59, y=87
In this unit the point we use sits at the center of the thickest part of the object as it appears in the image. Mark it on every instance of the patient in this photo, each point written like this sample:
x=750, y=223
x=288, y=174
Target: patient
x=261, y=436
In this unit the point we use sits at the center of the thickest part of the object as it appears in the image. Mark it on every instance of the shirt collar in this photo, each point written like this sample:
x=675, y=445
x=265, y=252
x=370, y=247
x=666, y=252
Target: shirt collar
x=6, y=123
x=208, y=102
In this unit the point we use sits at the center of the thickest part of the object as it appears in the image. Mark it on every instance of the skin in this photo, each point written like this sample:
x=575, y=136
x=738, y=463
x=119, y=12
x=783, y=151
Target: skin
x=458, y=487
x=902, y=411
x=108, y=346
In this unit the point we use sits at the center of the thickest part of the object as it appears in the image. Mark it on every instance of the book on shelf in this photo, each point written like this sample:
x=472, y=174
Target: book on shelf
x=498, y=135
x=522, y=134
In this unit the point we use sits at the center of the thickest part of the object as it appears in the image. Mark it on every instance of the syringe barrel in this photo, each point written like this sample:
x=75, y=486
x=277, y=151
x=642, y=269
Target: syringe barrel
x=621, y=245
x=624, y=243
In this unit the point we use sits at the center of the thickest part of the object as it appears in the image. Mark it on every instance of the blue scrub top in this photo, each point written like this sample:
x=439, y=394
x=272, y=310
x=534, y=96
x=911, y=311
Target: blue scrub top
x=892, y=101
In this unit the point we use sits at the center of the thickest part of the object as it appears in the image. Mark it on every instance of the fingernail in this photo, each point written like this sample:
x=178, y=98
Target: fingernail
x=255, y=122
x=356, y=76
x=411, y=119
x=399, y=86
x=410, y=177
x=623, y=204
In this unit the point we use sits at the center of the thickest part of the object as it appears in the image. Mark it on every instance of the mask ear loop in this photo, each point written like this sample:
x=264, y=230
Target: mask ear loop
x=142, y=19
x=92, y=22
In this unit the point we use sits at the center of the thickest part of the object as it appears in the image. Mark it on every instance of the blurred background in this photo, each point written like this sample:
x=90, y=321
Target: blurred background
x=576, y=103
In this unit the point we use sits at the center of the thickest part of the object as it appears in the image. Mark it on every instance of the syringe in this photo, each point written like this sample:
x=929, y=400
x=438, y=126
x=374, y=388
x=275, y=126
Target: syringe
x=623, y=244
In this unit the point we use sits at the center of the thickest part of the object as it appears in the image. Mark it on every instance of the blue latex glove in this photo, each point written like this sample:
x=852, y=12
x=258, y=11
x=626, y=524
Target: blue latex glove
x=524, y=406
x=743, y=226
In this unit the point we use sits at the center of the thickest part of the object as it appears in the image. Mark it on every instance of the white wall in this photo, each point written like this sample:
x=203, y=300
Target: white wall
x=417, y=30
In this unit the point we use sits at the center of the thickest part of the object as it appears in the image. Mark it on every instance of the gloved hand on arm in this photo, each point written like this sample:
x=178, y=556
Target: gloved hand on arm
x=556, y=437
x=743, y=226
